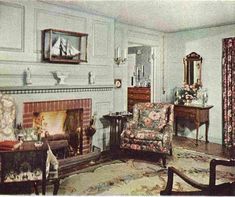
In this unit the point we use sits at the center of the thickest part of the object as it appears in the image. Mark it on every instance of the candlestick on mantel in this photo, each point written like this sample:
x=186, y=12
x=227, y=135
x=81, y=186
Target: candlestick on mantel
x=143, y=70
x=124, y=53
x=118, y=52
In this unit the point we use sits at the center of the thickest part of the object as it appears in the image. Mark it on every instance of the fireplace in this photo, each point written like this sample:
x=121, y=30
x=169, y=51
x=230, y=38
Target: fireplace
x=60, y=117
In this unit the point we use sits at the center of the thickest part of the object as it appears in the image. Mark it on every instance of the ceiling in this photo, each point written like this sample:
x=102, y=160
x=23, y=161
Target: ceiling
x=161, y=15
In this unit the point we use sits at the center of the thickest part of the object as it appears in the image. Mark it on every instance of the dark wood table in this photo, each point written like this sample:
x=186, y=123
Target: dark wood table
x=117, y=121
x=197, y=114
x=34, y=159
x=24, y=166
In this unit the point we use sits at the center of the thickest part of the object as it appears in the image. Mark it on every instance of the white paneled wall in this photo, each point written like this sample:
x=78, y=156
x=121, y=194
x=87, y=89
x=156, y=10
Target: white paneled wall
x=20, y=48
x=123, y=35
x=21, y=23
x=206, y=42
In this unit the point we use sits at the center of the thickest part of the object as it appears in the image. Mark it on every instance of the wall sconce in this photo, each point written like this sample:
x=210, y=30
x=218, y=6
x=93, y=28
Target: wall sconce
x=118, y=58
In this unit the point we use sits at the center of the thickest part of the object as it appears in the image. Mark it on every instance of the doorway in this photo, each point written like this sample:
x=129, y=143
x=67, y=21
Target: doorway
x=139, y=66
x=139, y=76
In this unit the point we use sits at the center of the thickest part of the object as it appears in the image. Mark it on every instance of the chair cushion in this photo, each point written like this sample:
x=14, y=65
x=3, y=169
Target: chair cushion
x=153, y=117
x=143, y=134
x=145, y=145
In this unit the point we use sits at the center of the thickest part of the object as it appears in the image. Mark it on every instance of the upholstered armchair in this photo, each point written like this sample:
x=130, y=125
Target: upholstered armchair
x=151, y=129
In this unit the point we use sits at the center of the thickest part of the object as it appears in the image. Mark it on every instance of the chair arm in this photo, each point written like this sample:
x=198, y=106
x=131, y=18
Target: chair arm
x=171, y=171
x=167, y=132
x=213, y=164
x=167, y=128
x=131, y=124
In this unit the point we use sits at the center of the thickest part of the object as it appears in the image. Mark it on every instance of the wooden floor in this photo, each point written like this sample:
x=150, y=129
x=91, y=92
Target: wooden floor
x=209, y=148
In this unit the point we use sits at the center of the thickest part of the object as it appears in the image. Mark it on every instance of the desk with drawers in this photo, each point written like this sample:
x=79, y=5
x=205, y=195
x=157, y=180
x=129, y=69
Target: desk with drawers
x=197, y=114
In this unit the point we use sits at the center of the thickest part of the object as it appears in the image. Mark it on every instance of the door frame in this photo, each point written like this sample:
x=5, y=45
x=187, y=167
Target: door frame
x=156, y=71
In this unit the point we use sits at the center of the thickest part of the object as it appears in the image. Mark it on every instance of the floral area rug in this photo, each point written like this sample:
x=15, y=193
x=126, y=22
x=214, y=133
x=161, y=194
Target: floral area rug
x=139, y=177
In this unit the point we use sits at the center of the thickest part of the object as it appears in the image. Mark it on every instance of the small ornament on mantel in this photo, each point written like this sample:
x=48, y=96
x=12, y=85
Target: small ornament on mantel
x=28, y=80
x=91, y=78
x=60, y=77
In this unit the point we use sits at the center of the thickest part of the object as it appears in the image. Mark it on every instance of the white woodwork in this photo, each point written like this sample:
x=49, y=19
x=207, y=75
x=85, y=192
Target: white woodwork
x=52, y=20
x=12, y=27
x=207, y=43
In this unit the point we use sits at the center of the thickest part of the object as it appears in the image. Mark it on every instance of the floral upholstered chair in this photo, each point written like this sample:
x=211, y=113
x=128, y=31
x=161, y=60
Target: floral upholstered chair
x=151, y=129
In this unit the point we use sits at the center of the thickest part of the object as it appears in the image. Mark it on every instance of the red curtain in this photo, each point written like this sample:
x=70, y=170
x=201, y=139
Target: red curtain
x=228, y=88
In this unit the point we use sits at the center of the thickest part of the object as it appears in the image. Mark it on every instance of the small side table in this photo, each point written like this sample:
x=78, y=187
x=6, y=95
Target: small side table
x=117, y=121
x=199, y=115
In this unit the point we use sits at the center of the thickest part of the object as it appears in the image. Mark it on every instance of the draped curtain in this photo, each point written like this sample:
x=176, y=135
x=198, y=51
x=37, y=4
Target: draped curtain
x=228, y=88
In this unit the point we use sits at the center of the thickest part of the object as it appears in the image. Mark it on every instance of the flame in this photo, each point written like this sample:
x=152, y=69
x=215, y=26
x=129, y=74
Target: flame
x=52, y=122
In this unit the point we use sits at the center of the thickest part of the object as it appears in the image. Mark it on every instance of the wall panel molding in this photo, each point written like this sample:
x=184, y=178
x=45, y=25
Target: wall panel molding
x=51, y=65
x=81, y=23
x=21, y=47
x=100, y=31
x=103, y=108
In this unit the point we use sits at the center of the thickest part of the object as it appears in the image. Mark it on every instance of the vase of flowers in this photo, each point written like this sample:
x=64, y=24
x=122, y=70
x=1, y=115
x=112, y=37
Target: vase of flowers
x=39, y=126
x=184, y=95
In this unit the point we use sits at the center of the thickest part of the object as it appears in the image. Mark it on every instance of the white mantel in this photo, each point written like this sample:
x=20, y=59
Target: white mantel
x=54, y=89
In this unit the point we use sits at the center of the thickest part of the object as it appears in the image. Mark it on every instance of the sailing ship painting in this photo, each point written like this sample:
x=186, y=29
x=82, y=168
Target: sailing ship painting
x=63, y=48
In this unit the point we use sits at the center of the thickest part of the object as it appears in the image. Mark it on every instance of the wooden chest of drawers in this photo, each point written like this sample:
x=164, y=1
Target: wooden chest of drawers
x=138, y=95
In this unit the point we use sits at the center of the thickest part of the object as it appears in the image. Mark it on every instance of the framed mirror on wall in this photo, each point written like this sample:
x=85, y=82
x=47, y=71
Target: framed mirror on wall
x=192, y=92
x=192, y=69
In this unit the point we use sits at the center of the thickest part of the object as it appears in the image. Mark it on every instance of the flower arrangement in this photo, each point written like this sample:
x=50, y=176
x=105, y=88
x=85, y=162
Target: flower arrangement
x=39, y=124
x=186, y=94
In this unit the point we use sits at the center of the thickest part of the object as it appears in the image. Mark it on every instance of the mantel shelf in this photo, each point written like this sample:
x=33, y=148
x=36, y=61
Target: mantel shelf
x=54, y=89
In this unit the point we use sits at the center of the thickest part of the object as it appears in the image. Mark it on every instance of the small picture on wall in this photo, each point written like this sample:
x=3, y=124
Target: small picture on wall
x=118, y=83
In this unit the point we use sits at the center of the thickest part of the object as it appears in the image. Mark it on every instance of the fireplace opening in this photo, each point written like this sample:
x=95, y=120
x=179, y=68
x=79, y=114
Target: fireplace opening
x=66, y=124
x=51, y=122
x=76, y=111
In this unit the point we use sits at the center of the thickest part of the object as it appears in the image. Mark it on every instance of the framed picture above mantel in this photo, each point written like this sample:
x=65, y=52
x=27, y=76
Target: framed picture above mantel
x=61, y=46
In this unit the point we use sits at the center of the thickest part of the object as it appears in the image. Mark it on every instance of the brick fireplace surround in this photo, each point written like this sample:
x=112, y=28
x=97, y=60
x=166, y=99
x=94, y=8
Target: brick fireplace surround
x=59, y=105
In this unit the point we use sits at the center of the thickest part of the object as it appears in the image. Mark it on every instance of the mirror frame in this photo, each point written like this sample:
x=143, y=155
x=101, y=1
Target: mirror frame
x=191, y=58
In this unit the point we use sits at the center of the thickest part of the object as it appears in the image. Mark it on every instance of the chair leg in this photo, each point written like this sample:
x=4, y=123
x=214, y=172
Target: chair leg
x=164, y=161
x=171, y=151
x=56, y=186
x=169, y=184
x=35, y=185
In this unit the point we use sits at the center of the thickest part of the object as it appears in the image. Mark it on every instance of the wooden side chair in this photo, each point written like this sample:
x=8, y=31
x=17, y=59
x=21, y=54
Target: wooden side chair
x=224, y=189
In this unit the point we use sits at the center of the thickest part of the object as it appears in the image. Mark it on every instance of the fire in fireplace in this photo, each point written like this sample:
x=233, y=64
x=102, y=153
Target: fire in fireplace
x=51, y=122
x=66, y=123
x=58, y=122
x=62, y=117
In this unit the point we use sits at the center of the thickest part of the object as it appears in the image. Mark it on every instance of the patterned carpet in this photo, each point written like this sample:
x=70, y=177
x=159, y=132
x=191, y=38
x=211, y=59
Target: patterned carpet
x=138, y=177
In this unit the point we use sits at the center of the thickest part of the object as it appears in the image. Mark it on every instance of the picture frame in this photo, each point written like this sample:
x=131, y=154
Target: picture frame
x=61, y=46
